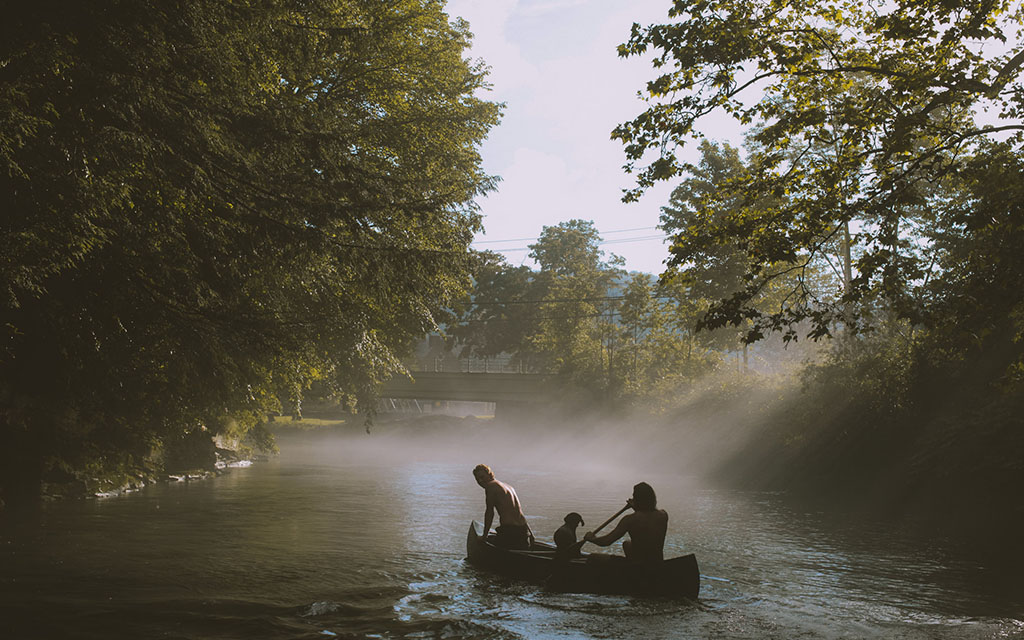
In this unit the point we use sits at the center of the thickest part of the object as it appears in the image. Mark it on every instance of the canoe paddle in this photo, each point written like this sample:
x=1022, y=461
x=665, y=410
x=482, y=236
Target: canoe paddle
x=579, y=545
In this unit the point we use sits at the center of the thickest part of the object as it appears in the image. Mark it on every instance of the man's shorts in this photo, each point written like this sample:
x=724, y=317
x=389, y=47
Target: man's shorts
x=509, y=536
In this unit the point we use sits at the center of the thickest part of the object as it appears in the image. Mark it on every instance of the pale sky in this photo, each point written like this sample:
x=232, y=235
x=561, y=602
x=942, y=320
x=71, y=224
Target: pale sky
x=554, y=64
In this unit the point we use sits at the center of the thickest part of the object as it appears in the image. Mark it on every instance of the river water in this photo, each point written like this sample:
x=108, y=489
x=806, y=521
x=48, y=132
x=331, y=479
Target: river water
x=364, y=537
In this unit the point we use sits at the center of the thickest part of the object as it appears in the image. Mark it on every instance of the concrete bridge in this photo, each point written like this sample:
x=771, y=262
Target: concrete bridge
x=511, y=392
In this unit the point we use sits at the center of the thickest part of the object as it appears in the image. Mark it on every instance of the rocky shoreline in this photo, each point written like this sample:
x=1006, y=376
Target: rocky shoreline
x=65, y=486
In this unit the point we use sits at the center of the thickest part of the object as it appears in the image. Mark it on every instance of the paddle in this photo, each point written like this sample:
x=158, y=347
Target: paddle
x=579, y=545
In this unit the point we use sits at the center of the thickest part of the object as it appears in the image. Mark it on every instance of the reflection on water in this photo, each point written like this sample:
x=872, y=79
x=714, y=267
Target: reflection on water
x=358, y=539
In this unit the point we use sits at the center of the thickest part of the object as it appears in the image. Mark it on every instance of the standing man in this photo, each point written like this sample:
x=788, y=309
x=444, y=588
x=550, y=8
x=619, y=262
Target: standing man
x=646, y=526
x=513, y=532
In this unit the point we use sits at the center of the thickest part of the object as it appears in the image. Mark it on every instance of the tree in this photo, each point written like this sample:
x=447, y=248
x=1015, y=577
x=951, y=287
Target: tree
x=573, y=286
x=659, y=353
x=623, y=338
x=891, y=89
x=211, y=201
x=709, y=200
x=713, y=270
x=498, y=317
x=973, y=307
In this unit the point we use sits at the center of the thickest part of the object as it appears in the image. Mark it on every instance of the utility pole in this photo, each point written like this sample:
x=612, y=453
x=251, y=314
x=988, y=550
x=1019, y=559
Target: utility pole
x=847, y=262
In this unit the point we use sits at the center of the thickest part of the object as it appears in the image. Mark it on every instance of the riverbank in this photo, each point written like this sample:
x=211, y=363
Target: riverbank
x=952, y=457
x=62, y=485
x=197, y=456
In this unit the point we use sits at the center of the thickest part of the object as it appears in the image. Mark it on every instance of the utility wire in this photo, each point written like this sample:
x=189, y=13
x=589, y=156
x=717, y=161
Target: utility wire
x=637, y=239
x=538, y=237
x=603, y=242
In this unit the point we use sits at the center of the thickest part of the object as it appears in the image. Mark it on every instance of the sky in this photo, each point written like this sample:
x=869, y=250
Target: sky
x=555, y=66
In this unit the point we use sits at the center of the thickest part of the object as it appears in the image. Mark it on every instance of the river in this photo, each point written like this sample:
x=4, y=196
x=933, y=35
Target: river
x=364, y=537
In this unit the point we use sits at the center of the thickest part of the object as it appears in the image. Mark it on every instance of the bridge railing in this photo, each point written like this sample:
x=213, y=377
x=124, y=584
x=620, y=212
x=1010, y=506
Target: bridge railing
x=445, y=407
x=472, y=365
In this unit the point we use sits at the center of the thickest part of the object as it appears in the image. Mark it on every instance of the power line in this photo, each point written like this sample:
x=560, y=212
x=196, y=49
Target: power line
x=637, y=239
x=602, y=233
x=603, y=242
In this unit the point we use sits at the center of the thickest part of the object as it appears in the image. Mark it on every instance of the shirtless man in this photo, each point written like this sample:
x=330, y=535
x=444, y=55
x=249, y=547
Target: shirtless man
x=513, y=532
x=646, y=527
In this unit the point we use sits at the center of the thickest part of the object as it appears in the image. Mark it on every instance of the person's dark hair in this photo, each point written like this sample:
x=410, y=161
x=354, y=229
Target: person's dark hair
x=644, y=498
x=572, y=517
x=483, y=471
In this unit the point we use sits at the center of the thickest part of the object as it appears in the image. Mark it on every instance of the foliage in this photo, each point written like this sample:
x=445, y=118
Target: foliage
x=863, y=109
x=617, y=338
x=711, y=270
x=929, y=408
x=884, y=145
x=498, y=317
x=660, y=352
x=572, y=290
x=189, y=450
x=974, y=304
x=212, y=201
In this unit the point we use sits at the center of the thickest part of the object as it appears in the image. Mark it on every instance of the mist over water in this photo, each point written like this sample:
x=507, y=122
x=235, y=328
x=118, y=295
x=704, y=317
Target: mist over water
x=363, y=536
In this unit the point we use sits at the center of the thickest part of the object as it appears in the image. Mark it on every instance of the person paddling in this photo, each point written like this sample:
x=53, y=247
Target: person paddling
x=646, y=526
x=512, y=532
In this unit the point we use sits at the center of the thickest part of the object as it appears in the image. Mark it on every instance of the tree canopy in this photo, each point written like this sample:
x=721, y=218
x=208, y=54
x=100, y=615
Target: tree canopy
x=208, y=200
x=859, y=111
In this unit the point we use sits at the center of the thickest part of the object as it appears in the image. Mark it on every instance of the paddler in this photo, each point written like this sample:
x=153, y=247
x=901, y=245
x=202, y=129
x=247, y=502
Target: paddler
x=646, y=526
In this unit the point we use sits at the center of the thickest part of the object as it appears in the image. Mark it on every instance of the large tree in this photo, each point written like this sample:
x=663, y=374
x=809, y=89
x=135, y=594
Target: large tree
x=206, y=201
x=862, y=108
x=572, y=290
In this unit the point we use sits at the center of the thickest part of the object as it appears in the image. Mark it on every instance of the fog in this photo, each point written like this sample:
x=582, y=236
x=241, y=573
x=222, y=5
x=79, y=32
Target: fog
x=694, y=443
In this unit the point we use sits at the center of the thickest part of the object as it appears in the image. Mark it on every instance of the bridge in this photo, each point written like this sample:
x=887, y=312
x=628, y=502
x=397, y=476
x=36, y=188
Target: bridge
x=511, y=392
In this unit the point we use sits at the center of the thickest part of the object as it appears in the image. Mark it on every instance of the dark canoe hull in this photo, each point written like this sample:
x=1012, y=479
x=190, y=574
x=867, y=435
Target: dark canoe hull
x=677, y=577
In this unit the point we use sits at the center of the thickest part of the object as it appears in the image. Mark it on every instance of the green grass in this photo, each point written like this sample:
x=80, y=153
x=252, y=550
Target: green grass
x=308, y=423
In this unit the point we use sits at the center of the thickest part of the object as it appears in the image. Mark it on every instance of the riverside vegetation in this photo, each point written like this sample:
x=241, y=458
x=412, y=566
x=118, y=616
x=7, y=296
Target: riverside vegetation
x=208, y=206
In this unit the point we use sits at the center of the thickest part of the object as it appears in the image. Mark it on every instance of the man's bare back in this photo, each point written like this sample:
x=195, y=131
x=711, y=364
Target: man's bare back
x=503, y=499
x=513, y=531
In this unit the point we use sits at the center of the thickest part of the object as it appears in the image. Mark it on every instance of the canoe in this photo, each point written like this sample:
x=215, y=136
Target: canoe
x=592, y=573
